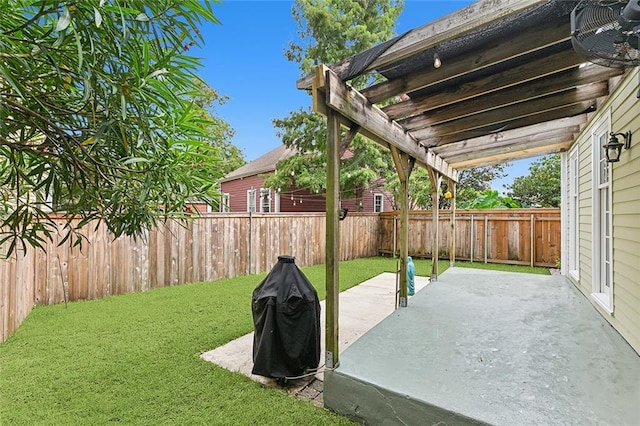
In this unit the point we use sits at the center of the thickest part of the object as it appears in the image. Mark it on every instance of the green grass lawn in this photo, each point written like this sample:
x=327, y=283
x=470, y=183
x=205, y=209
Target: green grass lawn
x=134, y=359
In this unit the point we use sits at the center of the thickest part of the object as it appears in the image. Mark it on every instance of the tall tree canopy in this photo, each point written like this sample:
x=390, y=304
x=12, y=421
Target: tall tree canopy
x=541, y=187
x=218, y=133
x=329, y=31
x=97, y=116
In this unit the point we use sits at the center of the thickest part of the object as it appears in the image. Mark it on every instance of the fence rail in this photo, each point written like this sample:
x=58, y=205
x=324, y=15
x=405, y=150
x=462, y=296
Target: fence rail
x=216, y=246
x=516, y=236
x=207, y=248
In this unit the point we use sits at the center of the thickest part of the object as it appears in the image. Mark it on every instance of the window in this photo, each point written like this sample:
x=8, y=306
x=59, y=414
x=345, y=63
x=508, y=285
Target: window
x=251, y=200
x=378, y=203
x=265, y=200
x=224, y=203
x=602, y=285
x=573, y=215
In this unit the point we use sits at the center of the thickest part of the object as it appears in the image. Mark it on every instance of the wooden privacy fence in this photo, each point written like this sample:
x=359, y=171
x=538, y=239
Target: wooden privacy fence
x=216, y=246
x=206, y=248
x=516, y=236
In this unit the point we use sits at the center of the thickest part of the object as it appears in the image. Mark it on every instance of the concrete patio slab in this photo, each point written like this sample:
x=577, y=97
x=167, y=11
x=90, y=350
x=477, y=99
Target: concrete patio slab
x=488, y=347
x=360, y=308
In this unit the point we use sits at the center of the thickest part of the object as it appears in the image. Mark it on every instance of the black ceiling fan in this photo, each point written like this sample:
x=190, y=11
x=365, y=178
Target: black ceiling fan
x=606, y=32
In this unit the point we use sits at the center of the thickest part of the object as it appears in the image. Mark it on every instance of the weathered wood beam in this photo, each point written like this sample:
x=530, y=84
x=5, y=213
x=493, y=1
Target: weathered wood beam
x=512, y=156
x=544, y=66
x=490, y=150
x=355, y=107
x=509, y=146
x=535, y=39
x=404, y=166
x=332, y=252
x=436, y=180
x=425, y=37
x=513, y=112
x=344, y=144
x=526, y=92
x=580, y=108
x=569, y=125
x=452, y=224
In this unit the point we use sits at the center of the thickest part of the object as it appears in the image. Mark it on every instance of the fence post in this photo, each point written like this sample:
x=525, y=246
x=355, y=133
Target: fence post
x=532, y=246
x=486, y=237
x=471, y=238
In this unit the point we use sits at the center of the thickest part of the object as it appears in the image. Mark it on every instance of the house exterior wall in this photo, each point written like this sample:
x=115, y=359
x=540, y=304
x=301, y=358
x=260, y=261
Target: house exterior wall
x=298, y=200
x=237, y=190
x=622, y=111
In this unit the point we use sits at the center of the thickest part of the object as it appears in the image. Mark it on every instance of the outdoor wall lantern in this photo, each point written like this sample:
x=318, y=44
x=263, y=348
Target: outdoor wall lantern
x=613, y=148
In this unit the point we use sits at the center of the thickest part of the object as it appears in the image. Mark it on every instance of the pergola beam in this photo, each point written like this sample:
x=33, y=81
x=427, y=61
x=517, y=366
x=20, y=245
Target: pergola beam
x=522, y=94
x=501, y=115
x=430, y=35
x=512, y=156
x=540, y=119
x=535, y=40
x=546, y=65
x=563, y=126
x=376, y=125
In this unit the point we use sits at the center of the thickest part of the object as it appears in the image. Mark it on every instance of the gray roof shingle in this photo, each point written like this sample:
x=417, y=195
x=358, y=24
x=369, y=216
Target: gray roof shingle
x=264, y=164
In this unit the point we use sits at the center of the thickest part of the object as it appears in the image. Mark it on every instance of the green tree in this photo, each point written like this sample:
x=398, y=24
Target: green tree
x=330, y=31
x=471, y=183
x=218, y=133
x=541, y=187
x=490, y=199
x=97, y=114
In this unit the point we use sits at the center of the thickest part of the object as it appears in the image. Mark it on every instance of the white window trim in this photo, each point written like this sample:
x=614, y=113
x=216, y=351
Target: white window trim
x=381, y=202
x=251, y=193
x=603, y=299
x=262, y=210
x=224, y=203
x=574, y=219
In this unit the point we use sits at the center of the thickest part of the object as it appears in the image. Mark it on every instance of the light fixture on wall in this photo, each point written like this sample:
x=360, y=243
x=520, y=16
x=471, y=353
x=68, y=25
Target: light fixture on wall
x=613, y=148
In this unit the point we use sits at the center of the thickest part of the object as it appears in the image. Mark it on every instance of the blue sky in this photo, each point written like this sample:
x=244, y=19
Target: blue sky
x=243, y=59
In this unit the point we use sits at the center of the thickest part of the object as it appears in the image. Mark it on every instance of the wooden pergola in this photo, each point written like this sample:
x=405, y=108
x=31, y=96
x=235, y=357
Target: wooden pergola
x=510, y=86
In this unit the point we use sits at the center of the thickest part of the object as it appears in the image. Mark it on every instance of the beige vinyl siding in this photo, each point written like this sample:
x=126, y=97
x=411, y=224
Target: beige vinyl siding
x=625, y=116
x=585, y=203
x=624, y=108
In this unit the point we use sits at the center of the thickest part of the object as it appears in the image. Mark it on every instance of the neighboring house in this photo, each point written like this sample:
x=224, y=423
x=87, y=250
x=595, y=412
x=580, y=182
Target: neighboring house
x=601, y=212
x=243, y=190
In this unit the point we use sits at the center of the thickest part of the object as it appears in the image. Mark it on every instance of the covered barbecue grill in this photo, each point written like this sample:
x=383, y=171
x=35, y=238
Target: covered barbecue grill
x=286, y=319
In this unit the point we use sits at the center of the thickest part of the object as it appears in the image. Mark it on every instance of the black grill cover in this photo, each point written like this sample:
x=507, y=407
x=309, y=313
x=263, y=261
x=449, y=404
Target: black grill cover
x=286, y=320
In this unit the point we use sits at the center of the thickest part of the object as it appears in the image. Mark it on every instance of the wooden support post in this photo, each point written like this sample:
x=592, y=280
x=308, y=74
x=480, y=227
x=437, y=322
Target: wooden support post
x=404, y=165
x=435, y=179
x=333, y=238
x=452, y=223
